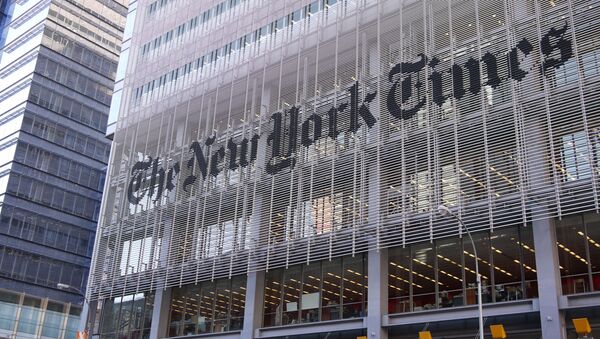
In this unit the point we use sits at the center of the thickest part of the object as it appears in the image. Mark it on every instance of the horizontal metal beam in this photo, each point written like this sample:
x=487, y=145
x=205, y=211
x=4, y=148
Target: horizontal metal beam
x=464, y=312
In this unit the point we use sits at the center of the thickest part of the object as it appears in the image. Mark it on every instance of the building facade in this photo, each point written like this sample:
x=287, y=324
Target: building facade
x=4, y=15
x=57, y=68
x=277, y=168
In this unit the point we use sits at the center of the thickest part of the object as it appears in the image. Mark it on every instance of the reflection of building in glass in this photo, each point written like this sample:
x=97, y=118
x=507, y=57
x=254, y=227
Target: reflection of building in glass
x=4, y=17
x=58, y=62
x=32, y=317
x=277, y=168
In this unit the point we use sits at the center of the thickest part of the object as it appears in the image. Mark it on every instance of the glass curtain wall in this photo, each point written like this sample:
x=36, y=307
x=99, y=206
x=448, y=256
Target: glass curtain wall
x=23, y=316
x=578, y=241
x=129, y=316
x=208, y=307
x=326, y=290
x=441, y=273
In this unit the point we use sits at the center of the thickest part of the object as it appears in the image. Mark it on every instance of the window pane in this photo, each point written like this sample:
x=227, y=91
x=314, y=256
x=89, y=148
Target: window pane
x=9, y=303
x=527, y=246
x=332, y=289
x=423, y=277
x=353, y=287
x=291, y=290
x=399, y=280
x=192, y=297
x=28, y=319
x=311, y=281
x=222, y=306
x=592, y=227
x=570, y=238
x=450, y=273
x=177, y=311
x=507, y=264
x=482, y=244
x=110, y=315
x=238, y=301
x=273, y=303
x=53, y=320
x=206, y=308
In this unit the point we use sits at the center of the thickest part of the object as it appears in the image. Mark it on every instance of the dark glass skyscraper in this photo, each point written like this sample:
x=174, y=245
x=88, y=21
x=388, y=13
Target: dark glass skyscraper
x=57, y=68
x=3, y=18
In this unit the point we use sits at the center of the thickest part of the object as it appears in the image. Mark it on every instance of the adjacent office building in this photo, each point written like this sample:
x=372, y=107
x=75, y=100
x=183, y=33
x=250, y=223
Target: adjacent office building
x=277, y=168
x=3, y=18
x=57, y=68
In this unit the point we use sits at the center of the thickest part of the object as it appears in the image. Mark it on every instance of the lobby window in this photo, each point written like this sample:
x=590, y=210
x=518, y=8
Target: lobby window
x=28, y=318
x=9, y=305
x=578, y=241
x=441, y=274
x=208, y=307
x=53, y=320
x=326, y=290
x=129, y=316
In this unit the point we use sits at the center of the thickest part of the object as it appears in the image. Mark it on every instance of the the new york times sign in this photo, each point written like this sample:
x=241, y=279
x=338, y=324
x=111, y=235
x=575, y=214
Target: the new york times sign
x=150, y=178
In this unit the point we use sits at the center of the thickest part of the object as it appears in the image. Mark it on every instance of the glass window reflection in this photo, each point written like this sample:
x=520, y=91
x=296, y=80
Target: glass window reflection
x=127, y=316
x=208, y=307
x=321, y=291
x=578, y=246
x=441, y=274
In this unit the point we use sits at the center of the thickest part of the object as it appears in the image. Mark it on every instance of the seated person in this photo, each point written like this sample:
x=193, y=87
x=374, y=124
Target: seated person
x=444, y=300
x=500, y=293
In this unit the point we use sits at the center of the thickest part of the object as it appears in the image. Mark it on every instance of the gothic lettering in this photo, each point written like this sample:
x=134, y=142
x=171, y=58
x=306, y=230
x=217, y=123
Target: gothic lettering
x=278, y=160
x=138, y=178
x=307, y=140
x=406, y=69
x=361, y=110
x=158, y=174
x=515, y=71
x=215, y=161
x=201, y=160
x=436, y=83
x=404, y=99
x=491, y=65
x=563, y=45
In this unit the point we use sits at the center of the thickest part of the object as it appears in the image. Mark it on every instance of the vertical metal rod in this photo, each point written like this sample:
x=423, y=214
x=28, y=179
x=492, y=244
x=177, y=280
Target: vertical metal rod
x=445, y=211
x=479, y=302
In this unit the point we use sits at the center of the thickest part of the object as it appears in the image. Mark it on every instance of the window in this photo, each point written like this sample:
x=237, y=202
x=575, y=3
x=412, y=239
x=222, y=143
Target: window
x=578, y=241
x=292, y=284
x=575, y=155
x=139, y=255
x=208, y=307
x=442, y=274
x=28, y=318
x=127, y=315
x=326, y=290
x=217, y=239
x=319, y=216
x=566, y=73
x=9, y=305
